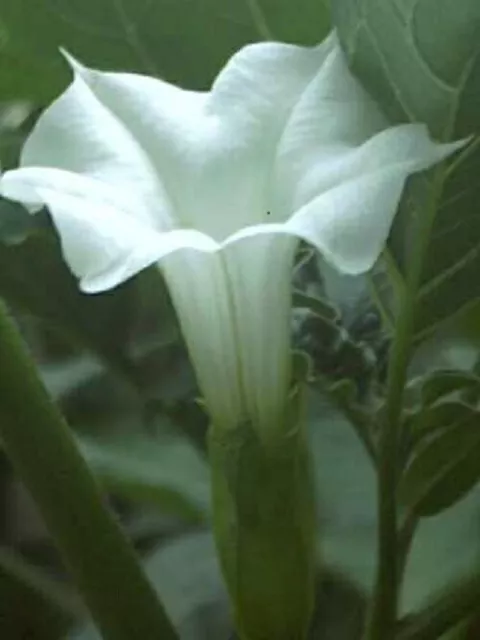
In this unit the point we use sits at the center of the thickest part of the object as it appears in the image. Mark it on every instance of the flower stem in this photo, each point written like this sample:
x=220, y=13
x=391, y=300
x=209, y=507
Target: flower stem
x=383, y=614
x=41, y=448
x=264, y=523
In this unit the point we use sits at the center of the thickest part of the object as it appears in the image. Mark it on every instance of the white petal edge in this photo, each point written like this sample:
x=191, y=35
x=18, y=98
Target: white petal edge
x=349, y=224
x=207, y=145
x=78, y=133
x=102, y=243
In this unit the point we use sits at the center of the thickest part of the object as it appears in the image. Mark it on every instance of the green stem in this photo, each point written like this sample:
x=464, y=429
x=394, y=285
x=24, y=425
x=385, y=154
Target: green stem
x=41, y=448
x=264, y=524
x=383, y=614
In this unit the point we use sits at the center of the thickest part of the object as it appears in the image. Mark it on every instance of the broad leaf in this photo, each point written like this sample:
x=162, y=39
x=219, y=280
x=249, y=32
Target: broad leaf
x=162, y=470
x=447, y=382
x=435, y=387
x=186, y=576
x=33, y=605
x=183, y=41
x=34, y=279
x=444, y=469
x=125, y=328
x=421, y=61
x=426, y=421
x=15, y=222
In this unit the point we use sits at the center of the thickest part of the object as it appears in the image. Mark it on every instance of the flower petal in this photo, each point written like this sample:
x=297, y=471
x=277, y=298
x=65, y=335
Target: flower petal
x=342, y=170
x=78, y=133
x=261, y=84
x=233, y=307
x=350, y=222
x=102, y=242
x=259, y=267
x=333, y=115
x=199, y=289
x=213, y=151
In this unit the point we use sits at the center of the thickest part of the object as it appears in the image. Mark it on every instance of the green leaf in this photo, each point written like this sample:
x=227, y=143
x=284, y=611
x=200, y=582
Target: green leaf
x=444, y=469
x=15, y=222
x=164, y=470
x=421, y=61
x=140, y=35
x=32, y=604
x=446, y=382
x=343, y=394
x=35, y=279
x=319, y=306
x=424, y=422
x=442, y=614
x=418, y=71
x=186, y=575
x=334, y=353
x=302, y=367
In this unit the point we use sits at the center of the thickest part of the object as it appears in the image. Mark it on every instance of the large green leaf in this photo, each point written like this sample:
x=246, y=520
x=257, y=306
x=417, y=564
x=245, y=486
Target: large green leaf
x=34, y=279
x=421, y=60
x=125, y=328
x=445, y=468
x=32, y=604
x=183, y=41
x=164, y=470
x=446, y=383
x=15, y=222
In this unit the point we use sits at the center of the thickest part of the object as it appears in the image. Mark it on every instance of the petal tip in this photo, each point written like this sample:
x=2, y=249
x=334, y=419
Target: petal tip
x=77, y=67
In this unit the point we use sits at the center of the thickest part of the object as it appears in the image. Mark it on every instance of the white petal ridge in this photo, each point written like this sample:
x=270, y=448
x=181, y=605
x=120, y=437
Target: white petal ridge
x=234, y=309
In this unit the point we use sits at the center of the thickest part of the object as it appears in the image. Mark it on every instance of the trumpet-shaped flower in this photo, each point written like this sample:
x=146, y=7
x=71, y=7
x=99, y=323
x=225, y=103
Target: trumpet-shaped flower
x=216, y=188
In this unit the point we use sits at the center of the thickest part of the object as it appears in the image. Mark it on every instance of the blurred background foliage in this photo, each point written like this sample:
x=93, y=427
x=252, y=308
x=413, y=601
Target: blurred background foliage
x=116, y=364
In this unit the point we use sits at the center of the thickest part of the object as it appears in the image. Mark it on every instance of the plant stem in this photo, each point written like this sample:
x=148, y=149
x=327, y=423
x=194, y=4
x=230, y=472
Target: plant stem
x=382, y=616
x=264, y=525
x=42, y=450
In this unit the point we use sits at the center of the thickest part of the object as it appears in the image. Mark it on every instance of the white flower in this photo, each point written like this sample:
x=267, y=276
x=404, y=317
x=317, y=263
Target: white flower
x=217, y=187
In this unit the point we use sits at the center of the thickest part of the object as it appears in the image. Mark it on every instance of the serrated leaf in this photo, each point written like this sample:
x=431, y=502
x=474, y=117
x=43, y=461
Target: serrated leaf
x=182, y=41
x=427, y=70
x=444, y=469
x=163, y=470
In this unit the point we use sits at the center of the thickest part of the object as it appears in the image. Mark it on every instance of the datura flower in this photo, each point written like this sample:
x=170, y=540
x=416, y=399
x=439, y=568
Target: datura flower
x=216, y=188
